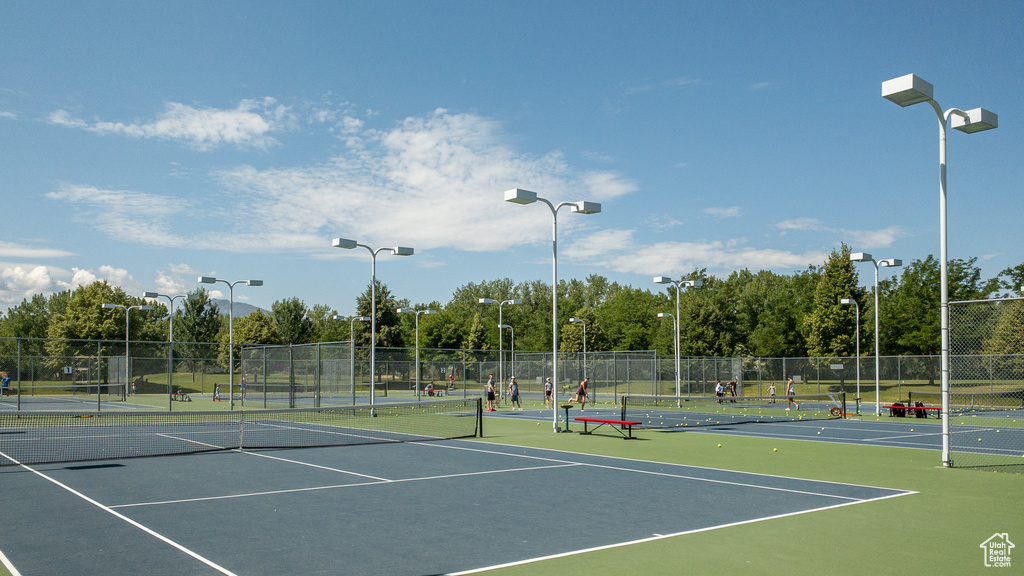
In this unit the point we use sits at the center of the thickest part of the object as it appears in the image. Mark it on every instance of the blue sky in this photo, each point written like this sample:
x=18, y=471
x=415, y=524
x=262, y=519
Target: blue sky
x=150, y=143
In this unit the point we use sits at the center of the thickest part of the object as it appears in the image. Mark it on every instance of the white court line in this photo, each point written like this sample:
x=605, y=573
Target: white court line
x=145, y=529
x=663, y=536
x=339, y=486
x=681, y=476
x=7, y=564
x=647, y=462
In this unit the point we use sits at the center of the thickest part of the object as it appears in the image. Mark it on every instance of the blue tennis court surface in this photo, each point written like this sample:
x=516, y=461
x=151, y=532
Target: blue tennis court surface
x=407, y=508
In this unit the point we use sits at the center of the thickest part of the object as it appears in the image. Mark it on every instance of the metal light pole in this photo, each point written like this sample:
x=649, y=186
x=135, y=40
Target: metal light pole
x=127, y=361
x=502, y=327
x=352, y=349
x=679, y=284
x=847, y=302
x=170, y=340
x=907, y=91
x=417, y=313
x=231, y=329
x=887, y=263
x=675, y=330
x=501, y=335
x=520, y=196
x=397, y=251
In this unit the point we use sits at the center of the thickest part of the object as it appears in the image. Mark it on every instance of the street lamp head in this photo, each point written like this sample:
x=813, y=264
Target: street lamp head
x=109, y=306
x=576, y=321
x=861, y=257
x=907, y=90
x=520, y=196
x=664, y=315
x=207, y=280
x=502, y=326
x=515, y=301
x=401, y=251
x=486, y=301
x=404, y=310
x=193, y=297
x=692, y=283
x=890, y=263
x=254, y=282
x=585, y=207
x=144, y=307
x=662, y=280
x=977, y=120
x=847, y=301
x=428, y=312
x=150, y=295
x=363, y=318
x=344, y=243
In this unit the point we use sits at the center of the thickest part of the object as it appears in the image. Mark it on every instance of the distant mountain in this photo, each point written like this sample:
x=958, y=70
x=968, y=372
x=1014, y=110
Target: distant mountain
x=241, y=309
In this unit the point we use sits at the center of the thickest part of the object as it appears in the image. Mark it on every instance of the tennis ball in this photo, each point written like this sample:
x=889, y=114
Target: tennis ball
x=775, y=449
x=819, y=433
x=979, y=439
x=719, y=445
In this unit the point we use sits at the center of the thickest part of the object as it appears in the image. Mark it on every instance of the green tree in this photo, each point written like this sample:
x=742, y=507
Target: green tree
x=292, y=322
x=389, y=334
x=832, y=327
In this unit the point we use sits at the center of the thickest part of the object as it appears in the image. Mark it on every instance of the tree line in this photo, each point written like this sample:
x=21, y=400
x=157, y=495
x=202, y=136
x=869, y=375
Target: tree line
x=763, y=314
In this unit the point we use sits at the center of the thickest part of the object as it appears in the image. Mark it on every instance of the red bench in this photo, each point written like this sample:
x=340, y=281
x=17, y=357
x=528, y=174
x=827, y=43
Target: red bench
x=625, y=427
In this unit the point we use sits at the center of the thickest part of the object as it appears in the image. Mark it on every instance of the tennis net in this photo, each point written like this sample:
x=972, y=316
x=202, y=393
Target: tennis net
x=51, y=437
x=691, y=411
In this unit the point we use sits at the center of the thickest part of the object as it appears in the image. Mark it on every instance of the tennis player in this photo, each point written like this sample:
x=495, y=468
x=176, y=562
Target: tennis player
x=771, y=393
x=581, y=393
x=513, y=392
x=547, y=391
x=790, y=392
x=490, y=392
x=216, y=392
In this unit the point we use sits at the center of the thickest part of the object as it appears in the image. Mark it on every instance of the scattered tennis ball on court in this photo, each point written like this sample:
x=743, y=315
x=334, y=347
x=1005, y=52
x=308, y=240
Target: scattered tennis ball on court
x=819, y=433
x=775, y=449
x=719, y=445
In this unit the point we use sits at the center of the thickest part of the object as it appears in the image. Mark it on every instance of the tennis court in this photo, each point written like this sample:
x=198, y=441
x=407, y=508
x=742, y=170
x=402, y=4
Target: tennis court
x=396, y=508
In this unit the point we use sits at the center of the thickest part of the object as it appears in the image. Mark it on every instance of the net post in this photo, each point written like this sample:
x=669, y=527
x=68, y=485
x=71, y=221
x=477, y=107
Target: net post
x=480, y=417
x=623, y=415
x=843, y=400
x=241, y=429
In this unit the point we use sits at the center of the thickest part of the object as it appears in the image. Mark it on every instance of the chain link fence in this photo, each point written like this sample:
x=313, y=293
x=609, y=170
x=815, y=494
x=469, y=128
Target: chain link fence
x=986, y=384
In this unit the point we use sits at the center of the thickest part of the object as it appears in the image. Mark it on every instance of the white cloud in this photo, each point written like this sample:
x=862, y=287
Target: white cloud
x=618, y=250
x=133, y=217
x=731, y=212
x=761, y=85
x=11, y=250
x=865, y=239
x=8, y=115
x=801, y=224
x=19, y=282
x=247, y=125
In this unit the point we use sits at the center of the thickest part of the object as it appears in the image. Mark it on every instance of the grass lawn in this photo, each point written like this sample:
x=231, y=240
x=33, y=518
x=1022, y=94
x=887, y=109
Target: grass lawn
x=936, y=531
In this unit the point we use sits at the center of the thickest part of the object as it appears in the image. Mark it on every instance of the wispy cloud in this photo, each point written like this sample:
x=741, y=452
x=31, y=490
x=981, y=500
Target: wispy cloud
x=8, y=115
x=730, y=212
x=438, y=178
x=247, y=125
x=12, y=250
x=643, y=87
x=866, y=239
x=619, y=251
x=756, y=86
